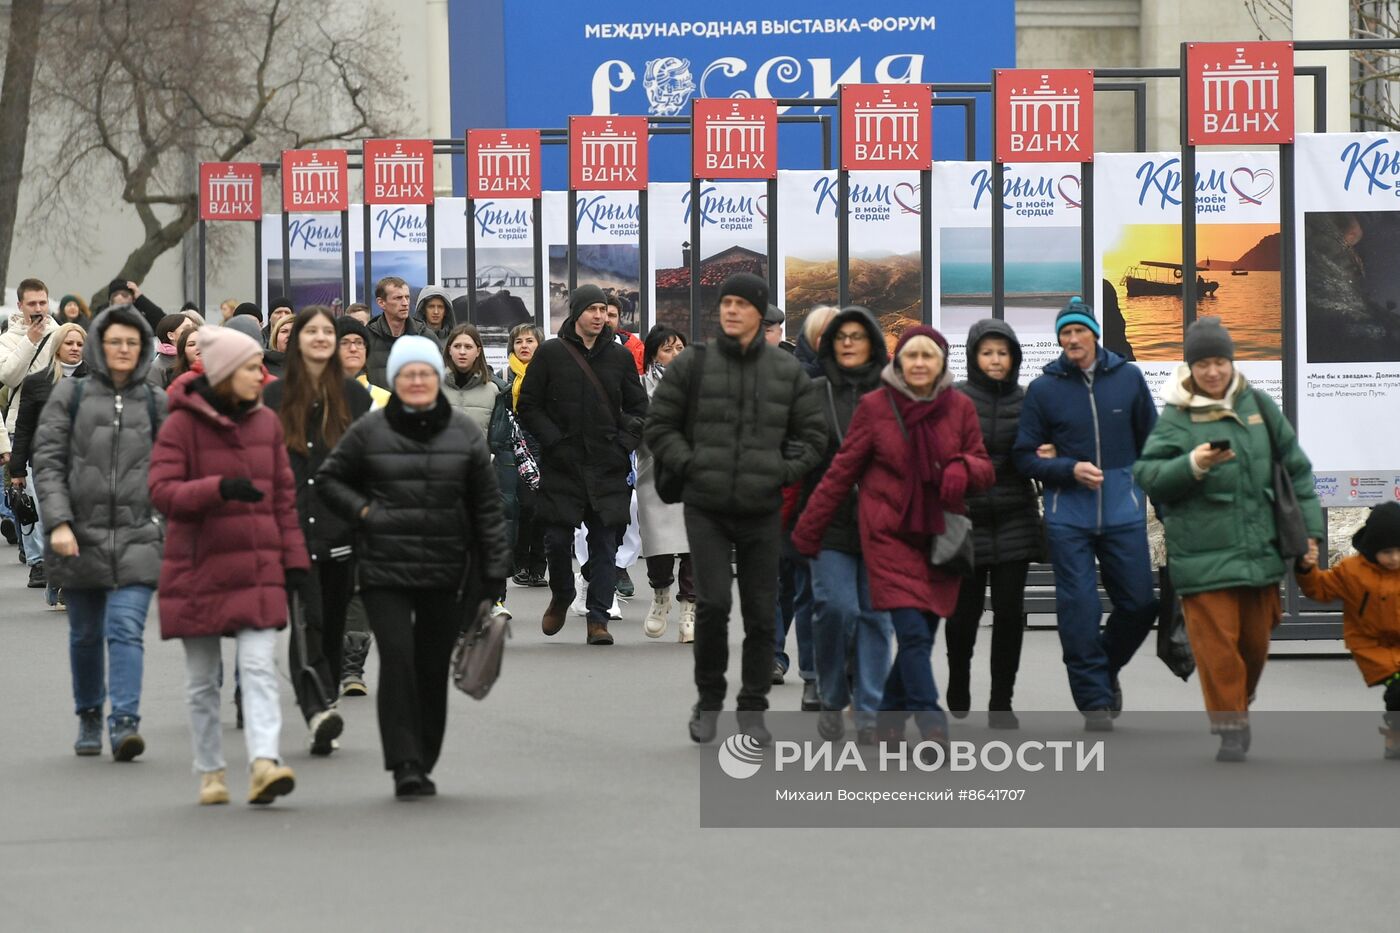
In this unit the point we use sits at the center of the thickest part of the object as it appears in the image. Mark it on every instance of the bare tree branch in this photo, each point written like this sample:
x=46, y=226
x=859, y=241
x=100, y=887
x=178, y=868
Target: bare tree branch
x=164, y=84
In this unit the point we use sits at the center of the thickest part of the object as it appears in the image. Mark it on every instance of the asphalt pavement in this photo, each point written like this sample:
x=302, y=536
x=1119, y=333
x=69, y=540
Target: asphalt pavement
x=568, y=800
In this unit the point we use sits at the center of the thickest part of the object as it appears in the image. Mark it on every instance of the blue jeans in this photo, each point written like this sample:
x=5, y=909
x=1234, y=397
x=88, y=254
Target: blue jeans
x=1093, y=657
x=910, y=687
x=848, y=635
x=794, y=604
x=119, y=616
x=32, y=540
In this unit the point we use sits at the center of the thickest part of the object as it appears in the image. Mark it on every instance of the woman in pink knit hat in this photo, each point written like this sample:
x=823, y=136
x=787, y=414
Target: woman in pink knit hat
x=234, y=550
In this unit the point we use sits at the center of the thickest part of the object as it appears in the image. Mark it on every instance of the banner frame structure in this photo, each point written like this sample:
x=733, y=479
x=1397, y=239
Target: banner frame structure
x=534, y=193
x=1087, y=257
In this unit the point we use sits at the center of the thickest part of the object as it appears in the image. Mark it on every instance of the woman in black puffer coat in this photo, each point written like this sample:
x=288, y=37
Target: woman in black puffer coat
x=416, y=479
x=1005, y=525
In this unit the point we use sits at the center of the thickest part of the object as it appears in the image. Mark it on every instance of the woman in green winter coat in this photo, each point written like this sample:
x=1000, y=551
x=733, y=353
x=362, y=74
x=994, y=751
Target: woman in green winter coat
x=1208, y=468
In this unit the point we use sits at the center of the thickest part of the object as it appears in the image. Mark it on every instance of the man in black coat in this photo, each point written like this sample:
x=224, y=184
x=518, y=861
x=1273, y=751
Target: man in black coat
x=582, y=401
x=757, y=427
x=122, y=292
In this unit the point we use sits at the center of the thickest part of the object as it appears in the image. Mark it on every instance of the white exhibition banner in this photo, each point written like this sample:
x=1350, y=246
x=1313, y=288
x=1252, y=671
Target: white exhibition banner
x=1042, y=211
x=1137, y=235
x=733, y=238
x=884, y=245
x=1348, y=367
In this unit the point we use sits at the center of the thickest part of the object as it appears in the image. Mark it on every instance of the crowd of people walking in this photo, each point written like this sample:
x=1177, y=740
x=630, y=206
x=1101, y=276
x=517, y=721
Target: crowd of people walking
x=368, y=482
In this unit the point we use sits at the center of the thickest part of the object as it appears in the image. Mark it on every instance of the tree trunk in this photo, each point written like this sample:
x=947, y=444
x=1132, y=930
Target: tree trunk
x=21, y=56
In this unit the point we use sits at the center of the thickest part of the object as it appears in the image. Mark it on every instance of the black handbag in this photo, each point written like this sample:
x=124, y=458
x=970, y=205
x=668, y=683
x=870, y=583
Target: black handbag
x=952, y=551
x=1288, y=515
x=22, y=505
x=1173, y=646
x=670, y=482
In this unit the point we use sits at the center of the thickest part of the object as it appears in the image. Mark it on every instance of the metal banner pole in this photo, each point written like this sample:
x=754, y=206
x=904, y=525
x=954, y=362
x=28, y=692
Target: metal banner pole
x=695, y=335
x=643, y=264
x=773, y=296
x=843, y=238
x=258, y=271
x=345, y=257
x=926, y=246
x=572, y=211
x=369, y=263
x=1188, y=209
x=430, y=218
x=1088, y=287
x=998, y=237
x=203, y=245
x=537, y=221
x=286, y=259
x=471, y=260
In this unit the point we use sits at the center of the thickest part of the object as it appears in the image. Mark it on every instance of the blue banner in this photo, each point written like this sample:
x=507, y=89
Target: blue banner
x=533, y=64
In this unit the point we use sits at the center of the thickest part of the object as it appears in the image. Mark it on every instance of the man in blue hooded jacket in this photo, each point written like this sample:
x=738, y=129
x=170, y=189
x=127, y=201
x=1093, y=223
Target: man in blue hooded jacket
x=1083, y=425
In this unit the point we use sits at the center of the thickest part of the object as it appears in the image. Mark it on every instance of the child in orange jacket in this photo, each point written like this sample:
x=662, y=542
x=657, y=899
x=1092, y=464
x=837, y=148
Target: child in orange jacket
x=1368, y=584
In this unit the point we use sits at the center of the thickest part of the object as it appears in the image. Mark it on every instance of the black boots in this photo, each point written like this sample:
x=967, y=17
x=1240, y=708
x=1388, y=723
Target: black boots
x=703, y=724
x=89, y=733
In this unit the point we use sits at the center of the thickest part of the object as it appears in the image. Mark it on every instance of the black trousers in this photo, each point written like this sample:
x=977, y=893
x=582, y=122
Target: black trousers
x=755, y=539
x=529, y=532
x=1008, y=582
x=415, y=631
x=661, y=573
x=316, y=672
x=600, y=571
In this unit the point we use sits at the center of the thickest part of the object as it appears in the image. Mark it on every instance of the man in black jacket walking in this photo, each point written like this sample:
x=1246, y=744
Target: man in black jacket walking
x=757, y=426
x=582, y=401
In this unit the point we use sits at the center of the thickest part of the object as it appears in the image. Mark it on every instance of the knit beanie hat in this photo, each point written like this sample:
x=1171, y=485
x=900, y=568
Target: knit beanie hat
x=247, y=325
x=249, y=309
x=920, y=330
x=1381, y=531
x=412, y=349
x=223, y=350
x=749, y=287
x=1207, y=337
x=345, y=326
x=1077, y=312
x=774, y=315
x=117, y=285
x=585, y=296
x=280, y=303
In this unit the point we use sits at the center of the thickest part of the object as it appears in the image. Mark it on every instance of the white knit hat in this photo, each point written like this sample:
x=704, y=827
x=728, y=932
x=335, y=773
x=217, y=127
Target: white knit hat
x=412, y=349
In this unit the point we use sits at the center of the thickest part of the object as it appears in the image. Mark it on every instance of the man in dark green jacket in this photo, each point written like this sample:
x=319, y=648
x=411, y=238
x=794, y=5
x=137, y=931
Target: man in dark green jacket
x=758, y=425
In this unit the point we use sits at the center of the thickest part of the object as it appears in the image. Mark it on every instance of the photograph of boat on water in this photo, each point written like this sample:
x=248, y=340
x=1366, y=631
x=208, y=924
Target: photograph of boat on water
x=1237, y=279
x=1352, y=300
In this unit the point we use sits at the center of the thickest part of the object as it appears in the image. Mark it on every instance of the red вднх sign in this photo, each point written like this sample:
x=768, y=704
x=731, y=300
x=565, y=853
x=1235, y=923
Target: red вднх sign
x=607, y=153
x=503, y=163
x=398, y=171
x=734, y=138
x=230, y=191
x=315, y=180
x=1045, y=115
x=886, y=127
x=1239, y=93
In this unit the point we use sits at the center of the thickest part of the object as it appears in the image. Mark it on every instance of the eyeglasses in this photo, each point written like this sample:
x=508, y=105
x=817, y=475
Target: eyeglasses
x=418, y=377
x=122, y=344
x=354, y=343
x=857, y=337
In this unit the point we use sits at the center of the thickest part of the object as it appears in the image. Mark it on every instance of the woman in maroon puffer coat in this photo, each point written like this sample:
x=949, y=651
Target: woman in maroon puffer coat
x=914, y=451
x=234, y=549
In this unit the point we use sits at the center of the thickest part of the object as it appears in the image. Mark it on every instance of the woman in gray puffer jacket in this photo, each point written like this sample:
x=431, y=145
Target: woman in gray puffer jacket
x=468, y=383
x=92, y=454
x=1005, y=527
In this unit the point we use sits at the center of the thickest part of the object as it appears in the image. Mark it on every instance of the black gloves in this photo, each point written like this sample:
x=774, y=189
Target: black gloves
x=296, y=579
x=239, y=490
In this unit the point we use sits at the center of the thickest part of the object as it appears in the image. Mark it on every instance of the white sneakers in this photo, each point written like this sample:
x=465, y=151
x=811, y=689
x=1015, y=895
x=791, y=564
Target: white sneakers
x=687, y=623
x=655, y=625
x=499, y=610
x=580, y=603
x=580, y=606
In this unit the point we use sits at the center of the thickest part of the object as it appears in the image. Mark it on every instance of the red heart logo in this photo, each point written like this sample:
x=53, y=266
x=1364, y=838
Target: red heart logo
x=1066, y=183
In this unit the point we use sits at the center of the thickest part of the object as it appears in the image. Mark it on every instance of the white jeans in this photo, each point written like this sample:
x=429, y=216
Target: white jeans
x=262, y=710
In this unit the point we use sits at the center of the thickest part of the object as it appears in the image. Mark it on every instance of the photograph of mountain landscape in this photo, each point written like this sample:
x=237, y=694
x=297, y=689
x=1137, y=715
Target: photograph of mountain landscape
x=1237, y=279
x=888, y=286
x=610, y=266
